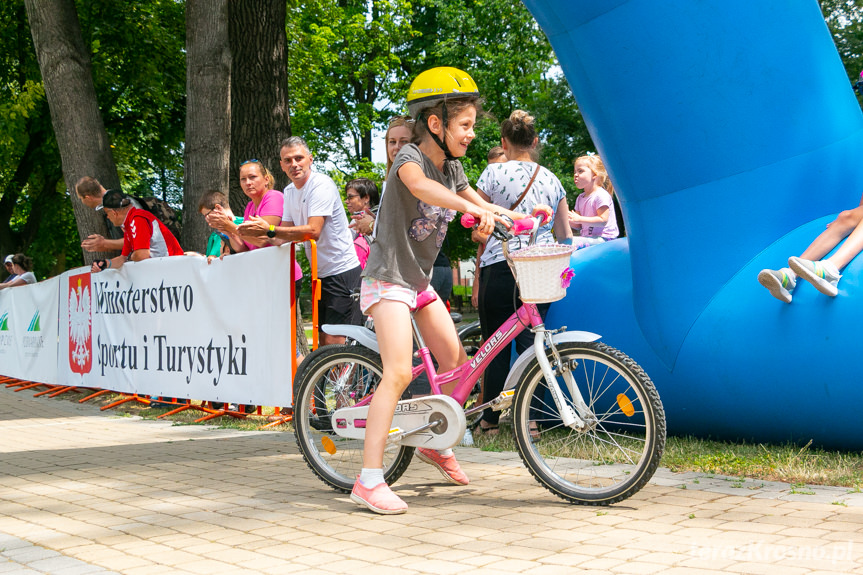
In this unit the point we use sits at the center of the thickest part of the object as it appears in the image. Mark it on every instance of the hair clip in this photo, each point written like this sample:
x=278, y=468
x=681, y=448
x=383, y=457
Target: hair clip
x=590, y=154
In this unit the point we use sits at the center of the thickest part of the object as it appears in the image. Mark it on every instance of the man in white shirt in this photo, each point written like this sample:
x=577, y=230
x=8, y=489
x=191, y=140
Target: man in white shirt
x=314, y=211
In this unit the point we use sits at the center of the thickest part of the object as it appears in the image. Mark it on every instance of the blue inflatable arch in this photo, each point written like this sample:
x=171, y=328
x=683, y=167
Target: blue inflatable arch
x=733, y=137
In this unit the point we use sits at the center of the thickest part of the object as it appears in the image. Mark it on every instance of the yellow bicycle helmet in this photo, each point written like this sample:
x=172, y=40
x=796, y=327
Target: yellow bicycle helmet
x=437, y=84
x=434, y=85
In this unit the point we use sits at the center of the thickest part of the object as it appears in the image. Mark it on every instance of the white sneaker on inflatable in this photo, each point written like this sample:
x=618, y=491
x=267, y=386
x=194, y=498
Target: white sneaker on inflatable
x=778, y=282
x=823, y=275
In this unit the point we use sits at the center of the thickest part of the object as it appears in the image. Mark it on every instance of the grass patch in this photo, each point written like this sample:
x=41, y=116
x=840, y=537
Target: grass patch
x=795, y=464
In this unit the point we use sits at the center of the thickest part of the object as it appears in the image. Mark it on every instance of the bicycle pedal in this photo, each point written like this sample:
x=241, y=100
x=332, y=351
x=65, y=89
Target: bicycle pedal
x=502, y=401
x=395, y=435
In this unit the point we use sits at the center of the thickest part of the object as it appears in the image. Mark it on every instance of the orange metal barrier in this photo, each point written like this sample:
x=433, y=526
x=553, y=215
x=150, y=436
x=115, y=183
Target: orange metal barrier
x=316, y=293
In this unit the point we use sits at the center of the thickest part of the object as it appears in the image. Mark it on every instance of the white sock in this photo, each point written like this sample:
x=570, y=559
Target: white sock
x=790, y=273
x=371, y=478
x=445, y=452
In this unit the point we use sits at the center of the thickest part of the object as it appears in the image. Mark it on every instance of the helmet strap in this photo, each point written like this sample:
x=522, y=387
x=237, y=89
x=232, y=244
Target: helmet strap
x=440, y=142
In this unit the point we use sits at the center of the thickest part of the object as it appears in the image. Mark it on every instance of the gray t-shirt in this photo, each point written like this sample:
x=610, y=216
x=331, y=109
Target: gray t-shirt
x=409, y=232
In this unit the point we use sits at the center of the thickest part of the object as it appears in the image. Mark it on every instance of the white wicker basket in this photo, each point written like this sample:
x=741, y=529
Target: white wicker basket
x=538, y=271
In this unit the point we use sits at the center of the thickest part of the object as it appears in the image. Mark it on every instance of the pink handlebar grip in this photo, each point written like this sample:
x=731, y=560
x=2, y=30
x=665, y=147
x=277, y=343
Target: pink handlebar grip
x=543, y=217
x=468, y=220
x=521, y=226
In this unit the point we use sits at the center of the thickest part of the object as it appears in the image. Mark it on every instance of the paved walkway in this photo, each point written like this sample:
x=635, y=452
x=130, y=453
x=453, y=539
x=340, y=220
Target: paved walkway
x=89, y=492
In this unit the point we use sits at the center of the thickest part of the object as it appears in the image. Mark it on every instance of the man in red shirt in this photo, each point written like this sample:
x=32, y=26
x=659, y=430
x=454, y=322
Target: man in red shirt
x=144, y=236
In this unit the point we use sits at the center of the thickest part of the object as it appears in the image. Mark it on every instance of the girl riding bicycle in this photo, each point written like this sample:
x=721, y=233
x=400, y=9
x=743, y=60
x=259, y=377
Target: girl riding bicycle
x=426, y=186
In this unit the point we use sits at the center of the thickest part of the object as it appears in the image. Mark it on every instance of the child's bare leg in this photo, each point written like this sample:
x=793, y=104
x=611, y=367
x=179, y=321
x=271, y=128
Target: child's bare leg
x=838, y=230
x=395, y=339
x=850, y=248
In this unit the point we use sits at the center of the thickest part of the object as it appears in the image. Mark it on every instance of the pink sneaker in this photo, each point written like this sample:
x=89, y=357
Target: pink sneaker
x=380, y=499
x=448, y=466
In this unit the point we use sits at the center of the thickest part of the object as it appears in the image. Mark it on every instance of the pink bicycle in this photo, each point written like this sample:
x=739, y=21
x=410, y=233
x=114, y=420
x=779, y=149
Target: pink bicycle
x=588, y=422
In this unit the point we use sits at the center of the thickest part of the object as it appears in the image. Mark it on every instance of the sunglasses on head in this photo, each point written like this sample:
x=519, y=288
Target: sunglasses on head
x=401, y=120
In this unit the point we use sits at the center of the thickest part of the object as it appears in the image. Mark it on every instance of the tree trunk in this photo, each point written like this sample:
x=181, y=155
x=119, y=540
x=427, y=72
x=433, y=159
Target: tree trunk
x=65, y=65
x=208, y=112
x=259, y=84
x=259, y=108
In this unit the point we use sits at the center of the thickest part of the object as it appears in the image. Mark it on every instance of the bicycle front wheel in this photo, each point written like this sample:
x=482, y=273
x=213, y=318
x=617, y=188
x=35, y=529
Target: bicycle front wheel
x=330, y=378
x=619, y=450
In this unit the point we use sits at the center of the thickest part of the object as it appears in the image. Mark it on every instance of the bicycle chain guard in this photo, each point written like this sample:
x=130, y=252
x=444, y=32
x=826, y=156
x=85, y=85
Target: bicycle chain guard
x=410, y=415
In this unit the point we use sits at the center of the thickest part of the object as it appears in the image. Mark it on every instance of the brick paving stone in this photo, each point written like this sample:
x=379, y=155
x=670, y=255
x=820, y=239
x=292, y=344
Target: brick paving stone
x=148, y=570
x=626, y=554
x=283, y=551
x=80, y=568
x=209, y=567
x=601, y=563
x=30, y=554
x=437, y=567
x=121, y=562
x=693, y=571
x=694, y=562
x=459, y=555
x=550, y=570
x=765, y=569
x=638, y=568
x=835, y=525
x=760, y=528
x=857, y=538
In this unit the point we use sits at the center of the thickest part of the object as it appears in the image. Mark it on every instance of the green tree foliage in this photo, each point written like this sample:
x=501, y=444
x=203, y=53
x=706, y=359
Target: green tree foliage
x=845, y=20
x=29, y=160
x=139, y=73
x=344, y=69
x=139, y=69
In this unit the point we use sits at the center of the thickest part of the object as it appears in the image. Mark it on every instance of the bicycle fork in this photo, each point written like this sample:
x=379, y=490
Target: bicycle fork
x=584, y=418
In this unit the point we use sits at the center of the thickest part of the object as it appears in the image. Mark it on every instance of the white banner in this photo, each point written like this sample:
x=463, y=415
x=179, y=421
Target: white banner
x=177, y=327
x=28, y=331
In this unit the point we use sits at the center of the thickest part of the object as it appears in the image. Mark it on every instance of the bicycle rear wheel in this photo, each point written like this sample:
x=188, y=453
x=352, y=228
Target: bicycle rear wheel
x=617, y=454
x=330, y=378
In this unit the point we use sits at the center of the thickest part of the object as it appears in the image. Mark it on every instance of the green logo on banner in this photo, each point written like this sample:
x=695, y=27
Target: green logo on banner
x=4, y=321
x=34, y=323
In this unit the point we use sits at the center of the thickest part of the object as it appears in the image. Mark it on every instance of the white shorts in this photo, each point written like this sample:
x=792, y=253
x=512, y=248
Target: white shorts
x=373, y=290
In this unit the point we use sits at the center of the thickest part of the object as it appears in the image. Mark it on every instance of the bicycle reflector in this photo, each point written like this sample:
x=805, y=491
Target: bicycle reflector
x=329, y=446
x=625, y=405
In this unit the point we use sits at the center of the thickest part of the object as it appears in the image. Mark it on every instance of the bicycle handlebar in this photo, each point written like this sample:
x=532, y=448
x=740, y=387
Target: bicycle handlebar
x=519, y=227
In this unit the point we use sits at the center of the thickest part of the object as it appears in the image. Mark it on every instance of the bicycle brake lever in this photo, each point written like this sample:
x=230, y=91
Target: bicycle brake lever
x=501, y=233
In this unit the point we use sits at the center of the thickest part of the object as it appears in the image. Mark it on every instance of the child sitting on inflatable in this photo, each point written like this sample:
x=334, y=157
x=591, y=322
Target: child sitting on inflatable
x=821, y=273
x=593, y=220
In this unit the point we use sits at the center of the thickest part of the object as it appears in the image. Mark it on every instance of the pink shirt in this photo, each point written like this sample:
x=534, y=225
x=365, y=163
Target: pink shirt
x=589, y=206
x=272, y=204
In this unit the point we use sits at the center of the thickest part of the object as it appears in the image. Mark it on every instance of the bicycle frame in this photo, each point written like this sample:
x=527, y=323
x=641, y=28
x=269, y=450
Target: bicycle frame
x=467, y=374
